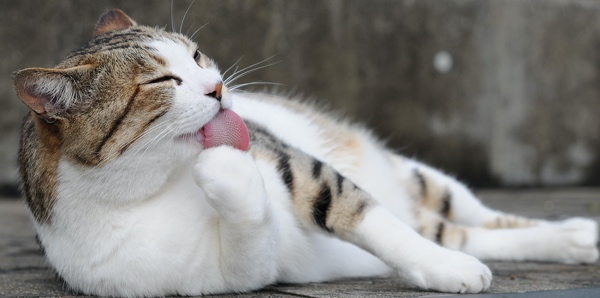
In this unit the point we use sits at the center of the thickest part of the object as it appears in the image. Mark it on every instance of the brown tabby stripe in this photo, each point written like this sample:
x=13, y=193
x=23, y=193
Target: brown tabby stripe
x=361, y=207
x=86, y=161
x=446, y=200
x=340, y=182
x=439, y=235
x=108, y=44
x=106, y=49
x=316, y=169
x=113, y=41
x=421, y=181
x=131, y=32
x=158, y=59
x=116, y=124
x=321, y=207
x=131, y=35
x=284, y=169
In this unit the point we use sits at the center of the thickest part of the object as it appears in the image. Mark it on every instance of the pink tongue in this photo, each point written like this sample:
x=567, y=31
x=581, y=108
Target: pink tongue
x=227, y=128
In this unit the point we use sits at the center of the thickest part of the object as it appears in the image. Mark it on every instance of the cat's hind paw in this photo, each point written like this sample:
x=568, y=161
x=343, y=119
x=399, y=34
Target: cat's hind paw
x=578, y=241
x=451, y=272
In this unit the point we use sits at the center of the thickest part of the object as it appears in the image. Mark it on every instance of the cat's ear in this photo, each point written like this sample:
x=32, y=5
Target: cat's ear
x=113, y=20
x=51, y=93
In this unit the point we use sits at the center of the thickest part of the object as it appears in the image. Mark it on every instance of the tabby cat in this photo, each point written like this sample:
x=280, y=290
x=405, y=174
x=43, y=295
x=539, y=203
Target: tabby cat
x=143, y=180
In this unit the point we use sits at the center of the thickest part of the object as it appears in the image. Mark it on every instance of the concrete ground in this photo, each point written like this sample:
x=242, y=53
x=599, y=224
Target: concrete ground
x=23, y=271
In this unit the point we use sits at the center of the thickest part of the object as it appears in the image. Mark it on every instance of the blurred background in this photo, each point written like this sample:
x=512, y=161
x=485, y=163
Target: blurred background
x=501, y=93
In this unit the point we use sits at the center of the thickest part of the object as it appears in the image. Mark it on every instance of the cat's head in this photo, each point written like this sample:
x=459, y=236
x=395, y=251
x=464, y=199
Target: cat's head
x=129, y=89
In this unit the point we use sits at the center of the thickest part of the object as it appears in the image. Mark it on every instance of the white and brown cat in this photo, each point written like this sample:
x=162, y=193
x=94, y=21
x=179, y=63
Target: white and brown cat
x=143, y=180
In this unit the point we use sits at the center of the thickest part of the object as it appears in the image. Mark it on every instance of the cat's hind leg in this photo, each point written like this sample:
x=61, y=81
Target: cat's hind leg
x=438, y=192
x=450, y=214
x=571, y=241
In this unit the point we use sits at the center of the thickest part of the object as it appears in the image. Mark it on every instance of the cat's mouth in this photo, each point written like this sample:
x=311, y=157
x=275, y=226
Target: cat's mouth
x=226, y=128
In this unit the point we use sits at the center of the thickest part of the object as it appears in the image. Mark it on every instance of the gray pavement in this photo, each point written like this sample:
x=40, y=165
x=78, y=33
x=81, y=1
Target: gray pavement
x=23, y=271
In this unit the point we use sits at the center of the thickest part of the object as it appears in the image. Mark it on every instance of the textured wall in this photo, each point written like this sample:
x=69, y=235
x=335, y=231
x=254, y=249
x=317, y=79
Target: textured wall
x=500, y=92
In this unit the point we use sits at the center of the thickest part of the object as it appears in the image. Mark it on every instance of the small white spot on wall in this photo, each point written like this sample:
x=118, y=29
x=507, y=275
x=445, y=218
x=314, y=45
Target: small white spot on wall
x=442, y=61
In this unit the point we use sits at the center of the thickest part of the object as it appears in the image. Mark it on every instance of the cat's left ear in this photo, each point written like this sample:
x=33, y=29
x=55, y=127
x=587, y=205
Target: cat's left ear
x=51, y=93
x=113, y=20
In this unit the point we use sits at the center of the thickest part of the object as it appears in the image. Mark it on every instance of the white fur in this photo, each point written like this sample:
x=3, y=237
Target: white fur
x=171, y=218
x=572, y=241
x=419, y=261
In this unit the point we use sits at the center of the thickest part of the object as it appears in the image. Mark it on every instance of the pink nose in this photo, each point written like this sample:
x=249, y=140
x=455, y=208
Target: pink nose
x=217, y=93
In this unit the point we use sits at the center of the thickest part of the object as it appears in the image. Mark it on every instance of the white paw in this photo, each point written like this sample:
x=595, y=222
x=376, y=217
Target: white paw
x=230, y=179
x=452, y=272
x=577, y=240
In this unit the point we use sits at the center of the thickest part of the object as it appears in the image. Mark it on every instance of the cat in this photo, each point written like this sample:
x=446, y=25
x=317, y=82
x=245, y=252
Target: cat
x=146, y=176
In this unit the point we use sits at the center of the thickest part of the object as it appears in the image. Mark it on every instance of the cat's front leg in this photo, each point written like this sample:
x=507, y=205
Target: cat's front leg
x=248, y=237
x=418, y=260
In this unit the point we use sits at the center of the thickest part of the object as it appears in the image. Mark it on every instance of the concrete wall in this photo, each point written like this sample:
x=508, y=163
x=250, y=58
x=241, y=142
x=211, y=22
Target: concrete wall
x=500, y=92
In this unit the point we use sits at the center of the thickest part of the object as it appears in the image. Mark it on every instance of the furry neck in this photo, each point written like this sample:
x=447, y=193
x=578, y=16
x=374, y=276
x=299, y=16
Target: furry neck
x=123, y=181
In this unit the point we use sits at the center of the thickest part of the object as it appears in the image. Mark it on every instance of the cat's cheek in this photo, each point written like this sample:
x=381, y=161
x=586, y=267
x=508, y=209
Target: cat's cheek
x=231, y=181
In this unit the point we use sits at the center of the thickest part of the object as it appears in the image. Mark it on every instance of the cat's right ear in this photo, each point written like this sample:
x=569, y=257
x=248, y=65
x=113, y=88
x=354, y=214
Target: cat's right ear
x=113, y=20
x=49, y=92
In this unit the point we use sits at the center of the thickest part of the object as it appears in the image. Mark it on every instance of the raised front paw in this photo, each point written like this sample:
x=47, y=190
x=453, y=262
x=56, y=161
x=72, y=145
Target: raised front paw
x=450, y=271
x=577, y=240
x=230, y=180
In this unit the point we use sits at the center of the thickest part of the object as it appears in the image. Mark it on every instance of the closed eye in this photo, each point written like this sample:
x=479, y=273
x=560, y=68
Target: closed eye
x=165, y=79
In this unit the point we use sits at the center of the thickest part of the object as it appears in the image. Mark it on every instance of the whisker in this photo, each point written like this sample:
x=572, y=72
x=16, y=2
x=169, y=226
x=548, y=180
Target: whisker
x=242, y=74
x=172, y=18
x=192, y=37
x=241, y=91
x=101, y=162
x=148, y=146
x=165, y=128
x=234, y=72
x=184, y=15
x=235, y=87
x=190, y=28
x=149, y=142
x=145, y=133
x=232, y=65
x=253, y=65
